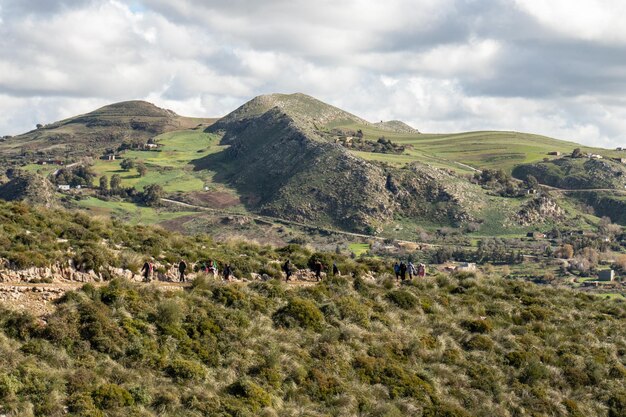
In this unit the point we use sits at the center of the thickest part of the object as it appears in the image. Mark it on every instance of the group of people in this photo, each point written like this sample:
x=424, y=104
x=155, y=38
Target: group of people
x=209, y=267
x=401, y=270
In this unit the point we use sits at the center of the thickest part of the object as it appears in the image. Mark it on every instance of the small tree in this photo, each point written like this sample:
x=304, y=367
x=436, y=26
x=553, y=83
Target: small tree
x=531, y=182
x=127, y=164
x=152, y=195
x=141, y=169
x=116, y=182
x=104, y=184
x=577, y=153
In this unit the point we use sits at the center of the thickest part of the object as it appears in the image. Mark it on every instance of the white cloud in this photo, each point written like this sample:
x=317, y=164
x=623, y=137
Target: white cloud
x=547, y=67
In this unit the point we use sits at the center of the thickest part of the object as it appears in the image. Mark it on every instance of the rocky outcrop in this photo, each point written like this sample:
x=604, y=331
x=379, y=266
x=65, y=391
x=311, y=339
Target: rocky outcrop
x=539, y=210
x=28, y=187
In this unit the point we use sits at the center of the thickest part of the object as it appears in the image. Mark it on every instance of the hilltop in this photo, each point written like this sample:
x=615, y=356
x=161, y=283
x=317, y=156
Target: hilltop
x=93, y=132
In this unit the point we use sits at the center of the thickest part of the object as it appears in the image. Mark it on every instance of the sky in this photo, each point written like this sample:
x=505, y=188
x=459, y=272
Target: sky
x=556, y=68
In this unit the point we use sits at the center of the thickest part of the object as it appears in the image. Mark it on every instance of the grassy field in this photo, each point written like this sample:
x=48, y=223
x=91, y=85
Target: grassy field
x=480, y=150
x=131, y=213
x=168, y=167
x=359, y=248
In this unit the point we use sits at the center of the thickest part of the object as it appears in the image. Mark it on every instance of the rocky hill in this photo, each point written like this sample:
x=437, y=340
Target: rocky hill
x=576, y=173
x=91, y=133
x=396, y=126
x=285, y=168
x=305, y=109
x=28, y=187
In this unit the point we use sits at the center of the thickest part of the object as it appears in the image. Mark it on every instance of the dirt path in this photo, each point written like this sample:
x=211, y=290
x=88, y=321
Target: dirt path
x=38, y=298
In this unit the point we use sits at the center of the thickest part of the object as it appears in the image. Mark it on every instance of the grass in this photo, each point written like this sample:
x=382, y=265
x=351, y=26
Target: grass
x=130, y=212
x=480, y=150
x=359, y=248
x=170, y=167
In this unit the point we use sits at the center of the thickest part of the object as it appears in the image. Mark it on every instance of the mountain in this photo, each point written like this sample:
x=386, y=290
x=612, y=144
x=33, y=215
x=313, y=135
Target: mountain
x=304, y=108
x=92, y=133
x=280, y=159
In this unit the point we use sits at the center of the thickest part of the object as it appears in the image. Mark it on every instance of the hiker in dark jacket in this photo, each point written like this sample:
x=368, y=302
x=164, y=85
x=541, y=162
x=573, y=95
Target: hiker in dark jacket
x=182, y=267
x=146, y=271
x=227, y=272
x=287, y=269
x=411, y=270
x=403, y=270
x=335, y=269
x=396, y=270
x=318, y=267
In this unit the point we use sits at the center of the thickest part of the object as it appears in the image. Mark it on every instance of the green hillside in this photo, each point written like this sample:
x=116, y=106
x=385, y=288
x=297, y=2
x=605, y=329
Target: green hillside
x=90, y=134
x=446, y=346
x=478, y=150
x=576, y=173
x=449, y=345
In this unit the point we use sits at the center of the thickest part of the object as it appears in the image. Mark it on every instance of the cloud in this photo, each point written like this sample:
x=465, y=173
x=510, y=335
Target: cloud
x=441, y=65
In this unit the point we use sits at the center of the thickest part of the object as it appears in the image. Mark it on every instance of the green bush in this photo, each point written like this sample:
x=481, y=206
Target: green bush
x=251, y=393
x=109, y=396
x=299, y=312
x=182, y=369
x=477, y=326
x=403, y=299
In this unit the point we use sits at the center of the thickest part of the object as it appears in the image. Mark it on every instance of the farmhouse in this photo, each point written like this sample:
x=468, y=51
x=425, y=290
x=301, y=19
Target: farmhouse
x=606, y=275
x=63, y=187
x=554, y=153
x=466, y=267
x=536, y=235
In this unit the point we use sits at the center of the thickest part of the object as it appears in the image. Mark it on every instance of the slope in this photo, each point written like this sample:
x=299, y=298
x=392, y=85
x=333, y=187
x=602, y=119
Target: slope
x=91, y=133
x=286, y=168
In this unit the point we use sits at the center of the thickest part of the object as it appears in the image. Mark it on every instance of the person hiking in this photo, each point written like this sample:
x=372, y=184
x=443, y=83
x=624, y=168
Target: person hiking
x=318, y=270
x=287, y=270
x=396, y=270
x=421, y=270
x=147, y=271
x=403, y=270
x=411, y=269
x=227, y=272
x=182, y=267
x=335, y=269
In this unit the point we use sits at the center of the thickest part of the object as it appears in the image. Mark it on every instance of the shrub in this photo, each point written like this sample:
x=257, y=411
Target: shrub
x=477, y=326
x=299, y=312
x=252, y=394
x=182, y=369
x=403, y=299
x=111, y=396
x=230, y=296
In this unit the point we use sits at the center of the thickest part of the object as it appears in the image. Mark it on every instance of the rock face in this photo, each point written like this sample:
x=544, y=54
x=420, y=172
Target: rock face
x=28, y=187
x=284, y=168
x=539, y=210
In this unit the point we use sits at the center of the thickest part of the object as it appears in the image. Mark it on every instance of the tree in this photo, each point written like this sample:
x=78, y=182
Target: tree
x=127, y=164
x=577, y=153
x=141, y=168
x=116, y=182
x=566, y=251
x=39, y=126
x=531, y=182
x=152, y=195
x=104, y=184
